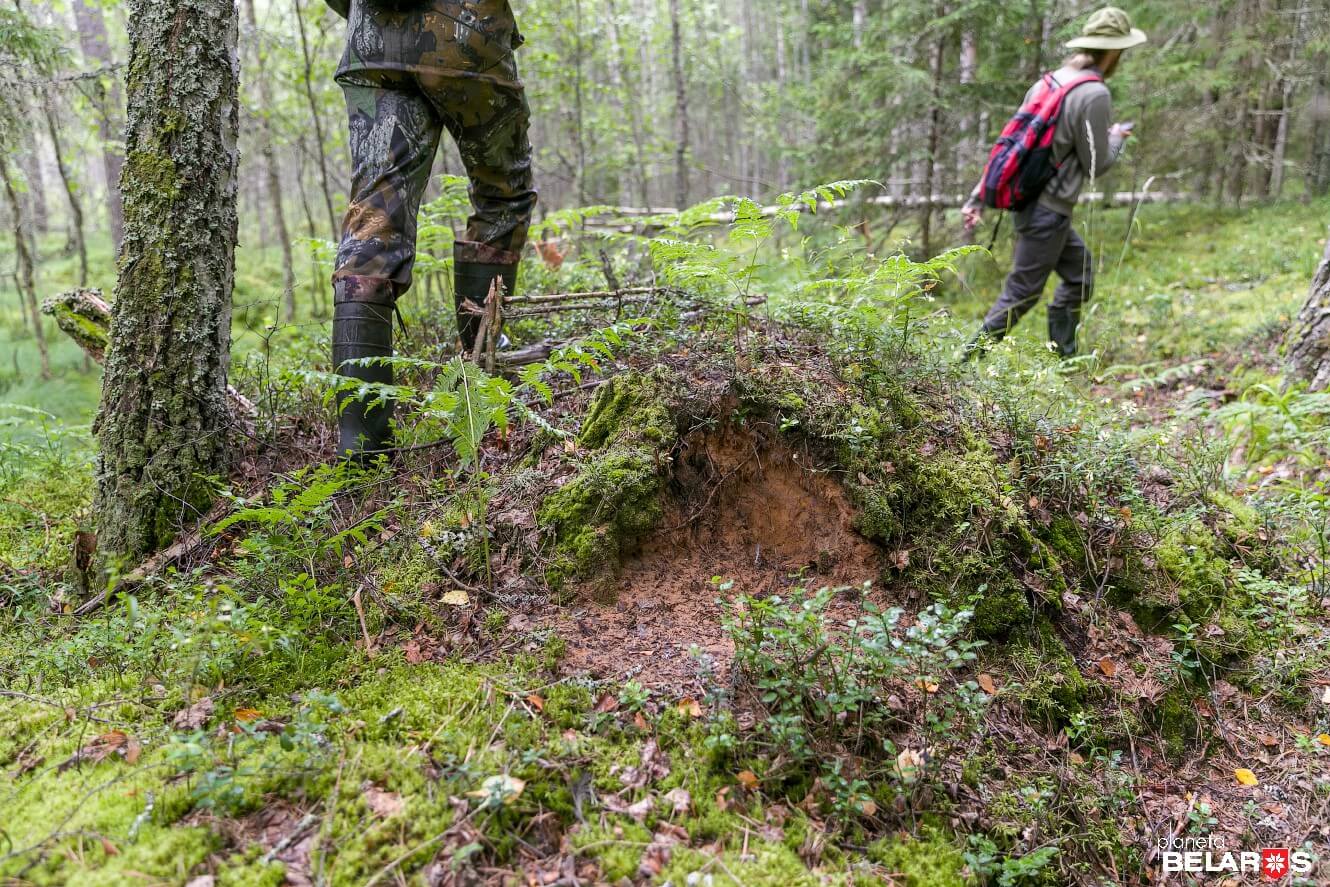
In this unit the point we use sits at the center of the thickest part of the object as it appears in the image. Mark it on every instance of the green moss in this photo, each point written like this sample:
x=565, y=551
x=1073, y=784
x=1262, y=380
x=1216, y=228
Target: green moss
x=1188, y=556
x=154, y=177
x=615, y=497
x=1065, y=537
x=1174, y=716
x=616, y=847
x=928, y=861
x=632, y=407
x=1051, y=686
x=1000, y=607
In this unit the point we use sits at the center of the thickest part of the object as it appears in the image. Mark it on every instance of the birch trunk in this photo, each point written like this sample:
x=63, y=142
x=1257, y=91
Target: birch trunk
x=77, y=239
x=164, y=418
x=680, y=108
x=97, y=52
x=272, y=178
x=1309, y=339
x=26, y=273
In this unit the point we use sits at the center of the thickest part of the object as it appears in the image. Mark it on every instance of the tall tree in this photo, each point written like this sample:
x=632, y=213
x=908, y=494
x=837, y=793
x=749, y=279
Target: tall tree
x=77, y=240
x=317, y=120
x=1309, y=340
x=106, y=99
x=26, y=268
x=164, y=416
x=272, y=178
x=680, y=108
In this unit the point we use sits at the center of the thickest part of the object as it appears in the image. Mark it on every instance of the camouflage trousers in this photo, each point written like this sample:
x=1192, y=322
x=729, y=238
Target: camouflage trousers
x=397, y=119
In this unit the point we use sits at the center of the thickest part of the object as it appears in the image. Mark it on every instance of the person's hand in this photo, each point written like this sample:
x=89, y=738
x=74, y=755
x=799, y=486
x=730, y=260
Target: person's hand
x=1121, y=130
x=972, y=216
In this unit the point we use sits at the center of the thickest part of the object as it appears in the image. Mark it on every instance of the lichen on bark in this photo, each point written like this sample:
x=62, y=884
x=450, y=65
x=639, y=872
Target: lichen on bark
x=164, y=414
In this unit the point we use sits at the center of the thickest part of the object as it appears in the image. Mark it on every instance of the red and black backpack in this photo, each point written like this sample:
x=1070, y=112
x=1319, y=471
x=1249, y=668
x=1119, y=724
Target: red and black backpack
x=1021, y=164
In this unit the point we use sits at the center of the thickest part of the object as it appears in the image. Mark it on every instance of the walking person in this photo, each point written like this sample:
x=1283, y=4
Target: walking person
x=412, y=69
x=1059, y=140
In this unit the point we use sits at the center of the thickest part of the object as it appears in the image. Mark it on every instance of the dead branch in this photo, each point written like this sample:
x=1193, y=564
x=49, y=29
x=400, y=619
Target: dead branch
x=85, y=316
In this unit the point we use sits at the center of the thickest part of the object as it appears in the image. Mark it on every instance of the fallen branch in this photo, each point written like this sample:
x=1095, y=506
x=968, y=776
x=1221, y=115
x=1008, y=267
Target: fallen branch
x=85, y=316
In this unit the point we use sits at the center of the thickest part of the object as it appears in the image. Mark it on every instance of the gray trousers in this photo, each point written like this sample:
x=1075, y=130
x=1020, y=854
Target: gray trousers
x=1045, y=243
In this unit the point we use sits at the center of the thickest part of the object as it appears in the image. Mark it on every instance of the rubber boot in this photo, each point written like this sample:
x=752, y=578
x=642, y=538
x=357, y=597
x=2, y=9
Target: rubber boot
x=1062, y=324
x=363, y=327
x=472, y=280
x=982, y=341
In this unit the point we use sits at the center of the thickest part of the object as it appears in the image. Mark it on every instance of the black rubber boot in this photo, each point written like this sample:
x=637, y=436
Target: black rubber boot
x=363, y=327
x=1062, y=324
x=472, y=280
x=982, y=341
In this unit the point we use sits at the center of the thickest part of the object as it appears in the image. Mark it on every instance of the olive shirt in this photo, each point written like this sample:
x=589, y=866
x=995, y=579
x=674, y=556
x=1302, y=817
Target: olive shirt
x=1081, y=142
x=471, y=39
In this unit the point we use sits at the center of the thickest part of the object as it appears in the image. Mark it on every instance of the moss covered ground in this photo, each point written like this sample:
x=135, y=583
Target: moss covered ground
x=1092, y=601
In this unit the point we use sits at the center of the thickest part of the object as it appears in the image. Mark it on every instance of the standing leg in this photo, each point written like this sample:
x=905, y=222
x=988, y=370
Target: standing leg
x=1041, y=236
x=490, y=124
x=394, y=135
x=1076, y=268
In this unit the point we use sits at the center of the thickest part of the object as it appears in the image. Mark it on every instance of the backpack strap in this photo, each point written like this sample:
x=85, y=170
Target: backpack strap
x=1090, y=77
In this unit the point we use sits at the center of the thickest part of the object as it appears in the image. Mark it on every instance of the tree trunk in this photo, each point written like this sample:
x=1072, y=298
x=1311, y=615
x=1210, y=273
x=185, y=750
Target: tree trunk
x=319, y=141
x=1309, y=339
x=164, y=419
x=26, y=273
x=1318, y=165
x=934, y=144
x=271, y=176
x=77, y=240
x=97, y=51
x=30, y=162
x=680, y=109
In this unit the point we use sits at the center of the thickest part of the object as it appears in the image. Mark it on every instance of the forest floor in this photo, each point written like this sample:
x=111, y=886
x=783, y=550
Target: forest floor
x=781, y=596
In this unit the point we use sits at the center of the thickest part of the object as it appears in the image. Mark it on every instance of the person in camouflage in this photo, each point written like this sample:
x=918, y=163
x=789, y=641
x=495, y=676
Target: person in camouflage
x=411, y=69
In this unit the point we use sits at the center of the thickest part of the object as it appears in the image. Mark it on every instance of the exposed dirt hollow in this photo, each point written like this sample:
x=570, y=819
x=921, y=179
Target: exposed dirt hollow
x=743, y=506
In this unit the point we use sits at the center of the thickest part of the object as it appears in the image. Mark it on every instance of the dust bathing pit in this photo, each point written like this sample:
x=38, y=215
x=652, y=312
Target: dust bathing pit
x=740, y=506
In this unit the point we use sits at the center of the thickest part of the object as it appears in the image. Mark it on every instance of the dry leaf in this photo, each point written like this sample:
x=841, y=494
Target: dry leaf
x=680, y=800
x=689, y=707
x=99, y=749
x=505, y=789
x=987, y=685
x=641, y=809
x=195, y=716
x=748, y=779
x=383, y=803
x=537, y=702
x=133, y=748
x=1108, y=667
x=608, y=703
x=909, y=766
x=457, y=598
x=1246, y=777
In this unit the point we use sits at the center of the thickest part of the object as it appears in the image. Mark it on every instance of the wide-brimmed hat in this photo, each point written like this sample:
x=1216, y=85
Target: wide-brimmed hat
x=1109, y=28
